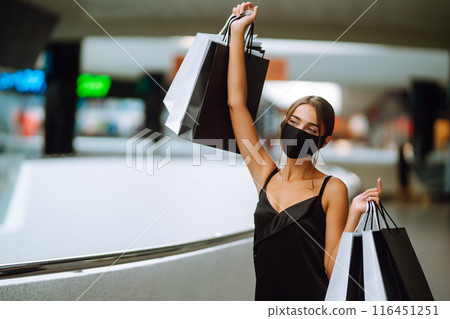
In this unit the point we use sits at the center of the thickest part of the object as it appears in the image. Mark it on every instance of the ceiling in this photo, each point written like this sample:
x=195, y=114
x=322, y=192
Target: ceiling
x=398, y=22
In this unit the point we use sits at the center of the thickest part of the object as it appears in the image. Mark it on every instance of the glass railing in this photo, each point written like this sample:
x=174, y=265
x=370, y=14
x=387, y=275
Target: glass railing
x=79, y=263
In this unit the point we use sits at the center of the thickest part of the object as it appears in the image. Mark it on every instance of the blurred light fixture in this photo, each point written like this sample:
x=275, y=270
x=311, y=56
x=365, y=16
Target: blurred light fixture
x=186, y=41
x=93, y=85
x=408, y=152
x=27, y=81
x=359, y=125
x=283, y=93
x=342, y=147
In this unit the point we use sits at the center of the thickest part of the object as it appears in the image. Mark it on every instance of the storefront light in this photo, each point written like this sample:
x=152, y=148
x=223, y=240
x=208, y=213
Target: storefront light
x=27, y=81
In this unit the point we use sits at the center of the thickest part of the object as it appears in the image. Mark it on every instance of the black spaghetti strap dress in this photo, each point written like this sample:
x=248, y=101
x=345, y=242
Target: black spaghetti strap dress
x=288, y=259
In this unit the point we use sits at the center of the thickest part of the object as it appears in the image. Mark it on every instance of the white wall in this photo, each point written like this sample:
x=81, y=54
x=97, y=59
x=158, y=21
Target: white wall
x=69, y=207
x=344, y=63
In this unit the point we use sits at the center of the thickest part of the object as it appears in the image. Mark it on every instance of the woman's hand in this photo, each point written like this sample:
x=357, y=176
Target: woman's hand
x=245, y=21
x=359, y=204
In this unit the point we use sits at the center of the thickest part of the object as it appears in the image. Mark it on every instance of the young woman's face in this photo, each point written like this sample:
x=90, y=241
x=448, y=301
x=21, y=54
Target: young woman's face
x=305, y=118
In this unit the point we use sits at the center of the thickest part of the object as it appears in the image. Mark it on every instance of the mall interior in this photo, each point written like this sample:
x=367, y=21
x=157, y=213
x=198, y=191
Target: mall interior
x=91, y=175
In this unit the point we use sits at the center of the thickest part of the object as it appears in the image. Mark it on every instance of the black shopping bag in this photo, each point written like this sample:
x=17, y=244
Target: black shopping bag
x=403, y=277
x=355, y=288
x=208, y=104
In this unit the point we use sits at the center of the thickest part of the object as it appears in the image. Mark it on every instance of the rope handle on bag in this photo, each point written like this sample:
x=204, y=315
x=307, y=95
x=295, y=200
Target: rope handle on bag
x=384, y=212
x=227, y=24
x=369, y=219
x=250, y=39
x=231, y=18
x=369, y=215
x=373, y=211
x=248, y=33
x=362, y=219
x=376, y=211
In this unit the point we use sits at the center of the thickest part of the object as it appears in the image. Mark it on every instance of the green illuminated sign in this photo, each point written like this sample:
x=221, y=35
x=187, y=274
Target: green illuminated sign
x=93, y=85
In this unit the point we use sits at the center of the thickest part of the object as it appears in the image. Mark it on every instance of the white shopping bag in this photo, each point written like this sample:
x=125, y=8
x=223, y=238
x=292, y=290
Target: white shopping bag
x=373, y=281
x=191, y=62
x=337, y=287
x=338, y=284
x=180, y=91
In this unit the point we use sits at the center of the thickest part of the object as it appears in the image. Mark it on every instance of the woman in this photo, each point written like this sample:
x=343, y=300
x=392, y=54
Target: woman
x=298, y=221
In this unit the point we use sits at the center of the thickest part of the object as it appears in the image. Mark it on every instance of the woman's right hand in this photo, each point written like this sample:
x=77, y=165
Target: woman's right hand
x=359, y=205
x=245, y=21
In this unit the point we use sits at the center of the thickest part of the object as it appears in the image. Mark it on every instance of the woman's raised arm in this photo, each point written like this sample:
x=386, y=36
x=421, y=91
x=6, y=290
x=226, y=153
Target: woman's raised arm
x=258, y=161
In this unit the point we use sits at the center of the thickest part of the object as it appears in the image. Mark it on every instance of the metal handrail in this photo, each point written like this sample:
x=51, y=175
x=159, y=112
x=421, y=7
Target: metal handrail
x=93, y=261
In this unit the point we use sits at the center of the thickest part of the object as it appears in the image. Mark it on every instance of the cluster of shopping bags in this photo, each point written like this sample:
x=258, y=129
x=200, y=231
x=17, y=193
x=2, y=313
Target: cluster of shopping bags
x=377, y=263
x=197, y=97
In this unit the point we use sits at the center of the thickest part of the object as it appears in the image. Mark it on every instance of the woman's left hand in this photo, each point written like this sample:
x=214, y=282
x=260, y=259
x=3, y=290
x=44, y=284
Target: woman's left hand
x=359, y=202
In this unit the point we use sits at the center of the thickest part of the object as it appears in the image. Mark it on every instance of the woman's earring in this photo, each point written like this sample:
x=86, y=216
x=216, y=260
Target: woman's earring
x=315, y=157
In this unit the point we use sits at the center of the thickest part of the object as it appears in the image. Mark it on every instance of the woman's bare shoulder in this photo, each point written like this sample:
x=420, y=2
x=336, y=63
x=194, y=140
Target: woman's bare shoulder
x=335, y=184
x=335, y=195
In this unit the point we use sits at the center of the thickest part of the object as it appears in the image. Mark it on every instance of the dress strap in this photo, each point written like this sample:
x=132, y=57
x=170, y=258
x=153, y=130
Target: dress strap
x=323, y=185
x=270, y=176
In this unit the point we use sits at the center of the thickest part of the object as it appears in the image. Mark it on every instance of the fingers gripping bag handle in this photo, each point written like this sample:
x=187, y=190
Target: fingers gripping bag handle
x=375, y=217
x=231, y=18
x=248, y=33
x=370, y=218
x=363, y=219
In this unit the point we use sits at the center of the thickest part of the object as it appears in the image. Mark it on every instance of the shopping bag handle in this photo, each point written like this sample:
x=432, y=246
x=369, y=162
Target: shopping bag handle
x=227, y=24
x=374, y=215
x=248, y=33
x=362, y=219
x=232, y=18
x=249, y=38
x=384, y=212
x=381, y=211
x=370, y=219
x=370, y=213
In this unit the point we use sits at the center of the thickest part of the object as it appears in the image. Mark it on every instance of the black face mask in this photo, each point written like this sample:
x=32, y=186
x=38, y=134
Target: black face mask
x=306, y=144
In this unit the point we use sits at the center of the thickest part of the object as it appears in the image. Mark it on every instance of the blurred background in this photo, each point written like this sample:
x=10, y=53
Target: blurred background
x=71, y=97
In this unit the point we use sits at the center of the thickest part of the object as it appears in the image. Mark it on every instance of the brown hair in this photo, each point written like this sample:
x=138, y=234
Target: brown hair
x=325, y=118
